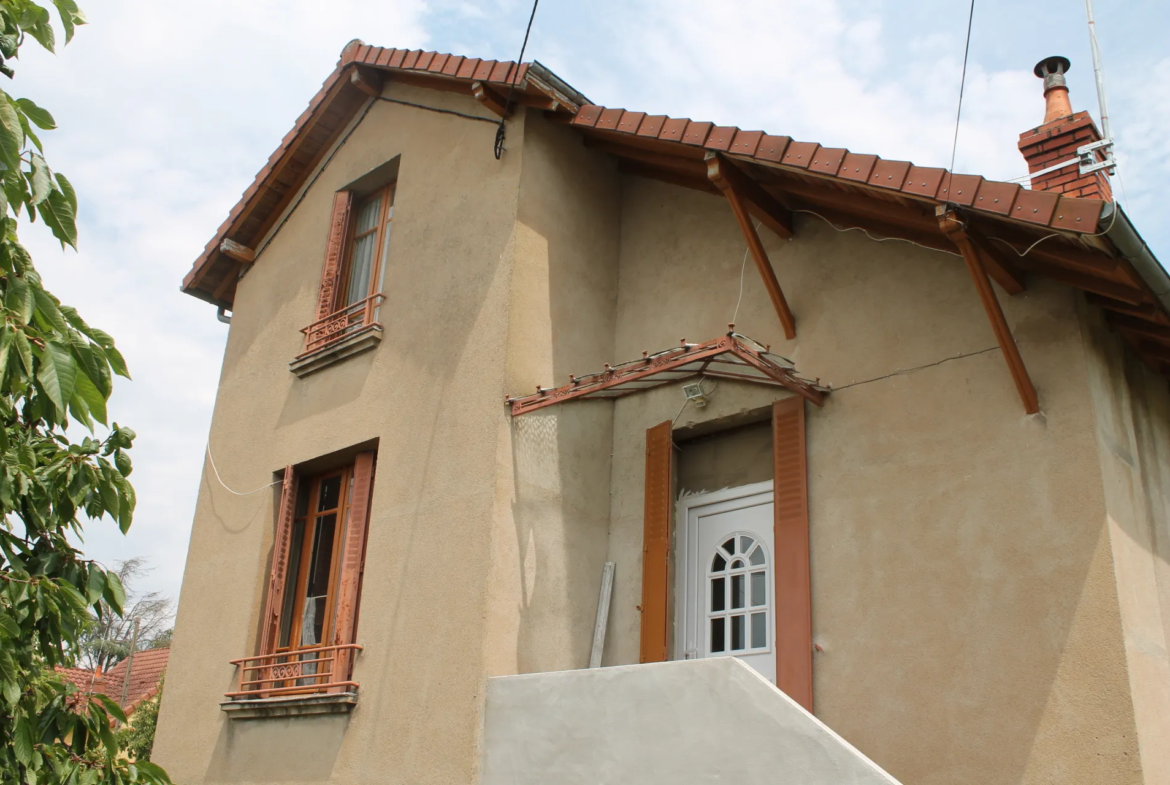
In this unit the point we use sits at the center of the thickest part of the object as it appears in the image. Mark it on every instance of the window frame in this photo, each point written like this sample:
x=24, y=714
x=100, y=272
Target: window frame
x=298, y=583
x=378, y=262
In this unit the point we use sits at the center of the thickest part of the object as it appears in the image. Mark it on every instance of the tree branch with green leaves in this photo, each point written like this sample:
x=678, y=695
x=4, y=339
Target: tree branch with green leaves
x=54, y=370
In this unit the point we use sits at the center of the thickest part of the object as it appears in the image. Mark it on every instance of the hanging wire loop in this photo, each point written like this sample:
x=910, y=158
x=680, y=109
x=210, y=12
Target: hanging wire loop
x=501, y=132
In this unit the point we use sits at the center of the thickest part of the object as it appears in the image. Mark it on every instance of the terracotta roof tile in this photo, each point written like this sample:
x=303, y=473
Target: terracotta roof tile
x=827, y=160
x=799, y=154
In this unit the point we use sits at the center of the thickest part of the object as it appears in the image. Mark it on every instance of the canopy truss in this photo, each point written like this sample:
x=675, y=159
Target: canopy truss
x=733, y=356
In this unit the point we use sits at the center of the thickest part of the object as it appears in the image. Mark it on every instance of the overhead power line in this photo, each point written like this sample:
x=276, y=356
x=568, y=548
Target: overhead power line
x=499, y=146
x=962, y=85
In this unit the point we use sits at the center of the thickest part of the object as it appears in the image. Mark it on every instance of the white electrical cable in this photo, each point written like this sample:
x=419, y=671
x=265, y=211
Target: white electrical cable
x=225, y=486
x=742, y=269
x=843, y=230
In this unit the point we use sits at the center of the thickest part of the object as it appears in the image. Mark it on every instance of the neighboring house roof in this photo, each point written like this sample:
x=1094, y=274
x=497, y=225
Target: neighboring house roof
x=145, y=675
x=1085, y=243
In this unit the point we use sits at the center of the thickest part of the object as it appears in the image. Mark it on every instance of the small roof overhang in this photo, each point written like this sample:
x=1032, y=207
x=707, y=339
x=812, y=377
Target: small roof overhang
x=733, y=356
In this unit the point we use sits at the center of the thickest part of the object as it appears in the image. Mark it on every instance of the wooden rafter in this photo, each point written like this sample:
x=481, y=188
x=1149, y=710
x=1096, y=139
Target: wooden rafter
x=489, y=98
x=759, y=203
x=952, y=227
x=233, y=250
x=369, y=82
x=718, y=173
x=672, y=176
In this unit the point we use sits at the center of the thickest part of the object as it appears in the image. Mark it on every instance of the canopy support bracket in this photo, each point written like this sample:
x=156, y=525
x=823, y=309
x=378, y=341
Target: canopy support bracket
x=744, y=194
x=953, y=227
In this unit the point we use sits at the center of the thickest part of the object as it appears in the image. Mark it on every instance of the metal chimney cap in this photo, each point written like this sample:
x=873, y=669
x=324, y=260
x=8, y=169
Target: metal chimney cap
x=1052, y=65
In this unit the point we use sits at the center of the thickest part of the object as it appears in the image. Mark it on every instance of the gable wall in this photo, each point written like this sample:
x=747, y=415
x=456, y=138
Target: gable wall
x=431, y=393
x=962, y=584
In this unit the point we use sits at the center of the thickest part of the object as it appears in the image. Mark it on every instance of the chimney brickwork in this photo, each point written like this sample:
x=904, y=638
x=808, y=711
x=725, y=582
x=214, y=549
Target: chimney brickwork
x=1052, y=143
x=1057, y=140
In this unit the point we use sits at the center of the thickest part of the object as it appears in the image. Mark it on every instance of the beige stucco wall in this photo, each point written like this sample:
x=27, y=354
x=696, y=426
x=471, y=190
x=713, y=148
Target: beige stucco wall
x=963, y=585
x=1132, y=408
x=432, y=394
x=963, y=593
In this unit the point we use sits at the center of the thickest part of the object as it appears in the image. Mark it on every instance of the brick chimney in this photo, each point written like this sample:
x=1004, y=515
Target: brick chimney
x=1057, y=140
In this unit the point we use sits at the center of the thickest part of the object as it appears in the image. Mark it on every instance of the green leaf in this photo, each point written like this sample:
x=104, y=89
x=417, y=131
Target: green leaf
x=42, y=31
x=5, y=348
x=67, y=190
x=40, y=117
x=19, y=298
x=89, y=394
x=8, y=626
x=71, y=16
x=22, y=740
x=47, y=305
x=61, y=216
x=58, y=374
x=115, y=595
x=11, y=132
x=114, y=709
x=95, y=584
x=26, y=128
x=116, y=362
x=24, y=350
x=40, y=180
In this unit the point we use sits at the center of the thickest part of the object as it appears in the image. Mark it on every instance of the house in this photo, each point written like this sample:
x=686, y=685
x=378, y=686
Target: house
x=878, y=453
x=145, y=672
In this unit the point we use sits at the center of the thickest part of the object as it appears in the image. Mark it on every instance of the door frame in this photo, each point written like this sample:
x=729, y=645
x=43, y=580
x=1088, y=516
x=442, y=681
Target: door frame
x=686, y=557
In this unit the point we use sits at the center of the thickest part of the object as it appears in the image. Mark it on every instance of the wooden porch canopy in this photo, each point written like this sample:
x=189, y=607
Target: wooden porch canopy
x=733, y=356
x=1002, y=231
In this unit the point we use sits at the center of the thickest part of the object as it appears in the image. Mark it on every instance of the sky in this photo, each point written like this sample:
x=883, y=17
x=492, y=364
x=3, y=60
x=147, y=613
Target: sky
x=168, y=109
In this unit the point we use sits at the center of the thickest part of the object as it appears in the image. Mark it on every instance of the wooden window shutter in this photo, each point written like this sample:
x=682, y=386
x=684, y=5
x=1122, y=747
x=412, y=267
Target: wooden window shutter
x=328, y=296
x=656, y=543
x=270, y=629
x=793, y=590
x=353, y=551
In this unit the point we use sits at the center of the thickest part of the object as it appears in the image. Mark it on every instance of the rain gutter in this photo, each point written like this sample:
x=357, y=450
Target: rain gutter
x=1129, y=243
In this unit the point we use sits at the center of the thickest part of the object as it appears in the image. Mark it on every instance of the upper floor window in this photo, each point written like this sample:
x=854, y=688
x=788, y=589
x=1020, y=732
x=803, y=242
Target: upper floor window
x=352, y=274
x=370, y=245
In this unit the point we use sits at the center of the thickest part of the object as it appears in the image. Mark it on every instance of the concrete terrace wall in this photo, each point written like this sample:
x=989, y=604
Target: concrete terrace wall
x=963, y=590
x=684, y=723
x=432, y=394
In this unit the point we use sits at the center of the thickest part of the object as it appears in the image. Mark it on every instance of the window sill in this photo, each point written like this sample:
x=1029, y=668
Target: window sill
x=359, y=341
x=290, y=706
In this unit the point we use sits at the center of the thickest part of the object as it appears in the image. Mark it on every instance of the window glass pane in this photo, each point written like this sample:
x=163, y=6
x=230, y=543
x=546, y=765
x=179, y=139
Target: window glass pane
x=717, y=635
x=317, y=585
x=729, y=546
x=737, y=591
x=359, y=270
x=294, y=571
x=381, y=283
x=757, y=557
x=737, y=564
x=745, y=543
x=718, y=594
x=368, y=216
x=302, y=508
x=759, y=630
x=329, y=494
x=738, y=634
x=759, y=589
x=718, y=564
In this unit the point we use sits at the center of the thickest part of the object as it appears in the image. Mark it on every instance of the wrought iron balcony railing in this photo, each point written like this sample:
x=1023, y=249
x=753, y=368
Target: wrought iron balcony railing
x=310, y=671
x=341, y=324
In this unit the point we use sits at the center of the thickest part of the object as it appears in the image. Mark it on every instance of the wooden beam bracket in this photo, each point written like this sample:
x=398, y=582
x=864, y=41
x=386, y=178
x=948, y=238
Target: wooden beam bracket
x=369, y=82
x=240, y=253
x=759, y=203
x=954, y=228
x=490, y=98
x=734, y=185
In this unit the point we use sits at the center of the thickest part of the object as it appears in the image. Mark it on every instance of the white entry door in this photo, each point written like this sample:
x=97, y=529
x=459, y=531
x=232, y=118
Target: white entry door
x=725, y=580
